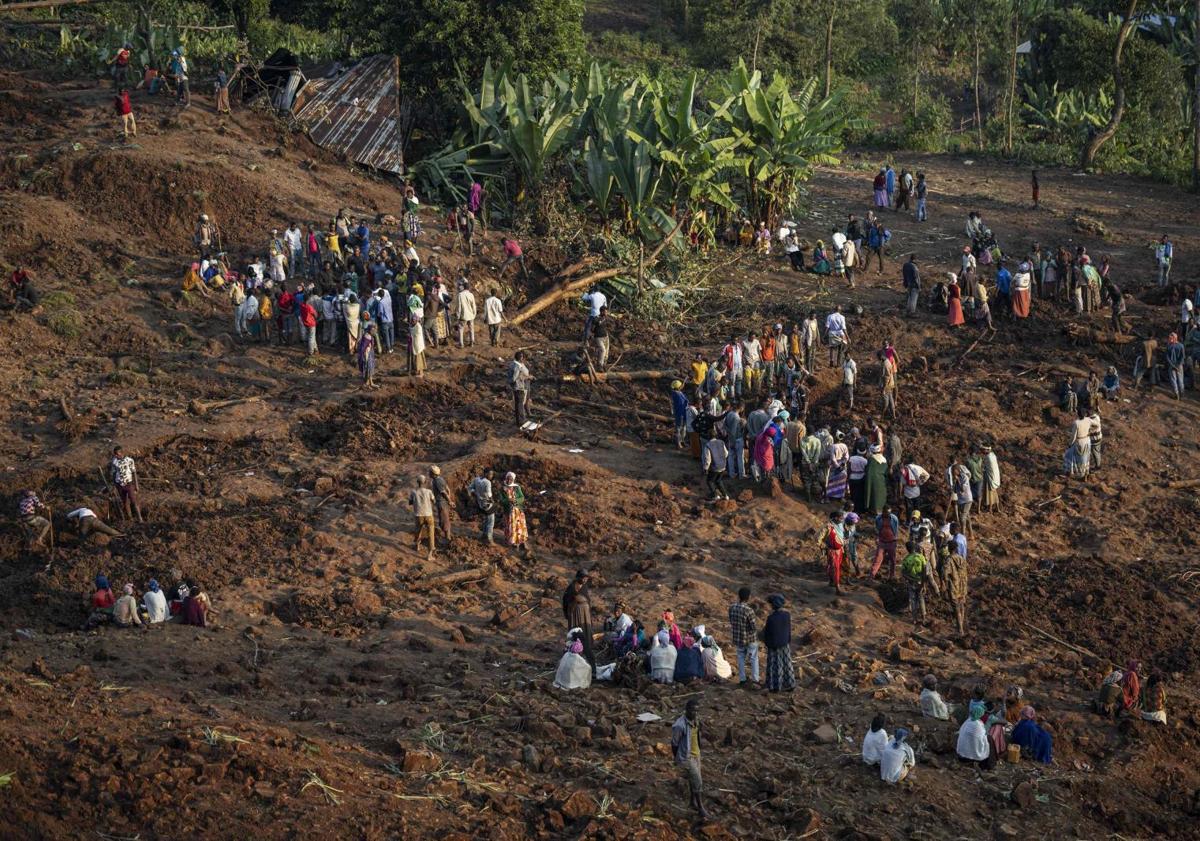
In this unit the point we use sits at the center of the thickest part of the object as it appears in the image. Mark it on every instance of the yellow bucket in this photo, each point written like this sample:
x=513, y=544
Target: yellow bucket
x=1014, y=753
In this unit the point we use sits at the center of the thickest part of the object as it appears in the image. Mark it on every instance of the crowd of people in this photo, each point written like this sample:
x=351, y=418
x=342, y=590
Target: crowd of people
x=351, y=289
x=185, y=602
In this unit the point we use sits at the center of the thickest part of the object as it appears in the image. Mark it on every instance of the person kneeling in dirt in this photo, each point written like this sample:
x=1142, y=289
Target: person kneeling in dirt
x=897, y=759
x=662, y=659
x=125, y=610
x=102, y=604
x=86, y=523
x=196, y=607
x=973, y=743
x=932, y=705
x=21, y=291
x=716, y=667
x=1154, y=699
x=34, y=525
x=574, y=672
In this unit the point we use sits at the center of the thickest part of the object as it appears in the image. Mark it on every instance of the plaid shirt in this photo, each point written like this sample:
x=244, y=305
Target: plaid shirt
x=743, y=624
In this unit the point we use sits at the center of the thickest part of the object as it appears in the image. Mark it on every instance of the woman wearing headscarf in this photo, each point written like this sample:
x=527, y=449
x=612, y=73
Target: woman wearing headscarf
x=991, y=480
x=673, y=634
x=972, y=737
x=954, y=312
x=574, y=672
x=876, y=740
x=783, y=446
x=352, y=311
x=689, y=663
x=837, y=480
x=195, y=607
x=1131, y=685
x=1035, y=742
x=155, y=603
x=663, y=656
x=1108, y=701
x=1022, y=290
x=1154, y=699
x=512, y=500
x=366, y=349
x=897, y=759
x=716, y=666
x=764, y=450
x=820, y=260
x=777, y=636
x=834, y=542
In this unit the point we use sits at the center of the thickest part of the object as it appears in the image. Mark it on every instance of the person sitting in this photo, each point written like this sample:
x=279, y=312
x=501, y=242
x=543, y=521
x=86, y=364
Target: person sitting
x=616, y=625
x=631, y=640
x=574, y=672
x=668, y=624
x=972, y=737
x=1154, y=699
x=1035, y=742
x=662, y=659
x=155, y=603
x=932, y=705
x=996, y=725
x=715, y=665
x=820, y=262
x=897, y=759
x=1108, y=701
x=125, y=610
x=178, y=592
x=689, y=663
x=1112, y=383
x=1068, y=398
x=875, y=741
x=102, y=604
x=1014, y=701
x=195, y=606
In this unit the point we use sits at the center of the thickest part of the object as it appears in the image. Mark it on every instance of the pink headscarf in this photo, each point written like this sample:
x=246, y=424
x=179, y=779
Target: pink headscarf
x=1027, y=712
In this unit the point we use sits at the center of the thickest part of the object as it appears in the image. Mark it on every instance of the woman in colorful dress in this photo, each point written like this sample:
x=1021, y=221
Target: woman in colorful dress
x=512, y=500
x=368, y=342
x=954, y=312
x=837, y=481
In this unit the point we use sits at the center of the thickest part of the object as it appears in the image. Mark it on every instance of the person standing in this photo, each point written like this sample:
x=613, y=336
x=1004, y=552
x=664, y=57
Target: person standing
x=422, y=501
x=385, y=317
x=679, y=411
x=912, y=478
x=120, y=67
x=849, y=378
x=493, y=315
x=990, y=500
x=441, y=493
x=958, y=479
x=810, y=336
x=777, y=636
x=520, y=380
x=887, y=388
x=837, y=336
x=512, y=500
x=835, y=548
x=577, y=610
x=917, y=575
x=125, y=111
x=685, y=745
x=922, y=191
x=912, y=285
x=308, y=331
x=955, y=574
x=1164, y=252
x=887, y=531
x=465, y=312
x=600, y=335
x=125, y=478
x=743, y=626
x=714, y=463
x=595, y=300
x=222, y=89
x=1175, y=356
x=179, y=70
x=481, y=492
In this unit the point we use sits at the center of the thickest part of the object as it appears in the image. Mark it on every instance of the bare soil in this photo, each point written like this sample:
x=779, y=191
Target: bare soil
x=339, y=695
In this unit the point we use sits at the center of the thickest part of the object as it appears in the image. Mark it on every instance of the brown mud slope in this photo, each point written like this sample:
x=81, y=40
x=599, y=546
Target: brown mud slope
x=346, y=691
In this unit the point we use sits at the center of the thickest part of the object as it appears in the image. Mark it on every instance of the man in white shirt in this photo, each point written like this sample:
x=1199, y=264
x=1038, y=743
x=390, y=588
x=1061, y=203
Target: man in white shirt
x=897, y=759
x=875, y=741
x=86, y=522
x=1185, y=315
x=912, y=477
x=595, y=299
x=481, y=492
x=465, y=312
x=493, y=315
x=752, y=362
x=421, y=499
x=837, y=336
x=246, y=313
x=714, y=462
x=294, y=240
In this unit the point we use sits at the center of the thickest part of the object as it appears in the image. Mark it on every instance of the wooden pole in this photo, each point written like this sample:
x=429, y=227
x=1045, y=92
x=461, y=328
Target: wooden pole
x=622, y=376
x=641, y=413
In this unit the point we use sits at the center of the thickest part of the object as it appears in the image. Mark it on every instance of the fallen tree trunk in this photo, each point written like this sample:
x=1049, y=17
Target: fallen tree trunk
x=641, y=413
x=199, y=407
x=474, y=574
x=622, y=376
x=1184, y=483
x=1084, y=333
x=566, y=287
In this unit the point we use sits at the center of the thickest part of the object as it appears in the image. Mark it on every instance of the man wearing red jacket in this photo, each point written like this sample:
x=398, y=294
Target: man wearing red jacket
x=308, y=326
x=125, y=110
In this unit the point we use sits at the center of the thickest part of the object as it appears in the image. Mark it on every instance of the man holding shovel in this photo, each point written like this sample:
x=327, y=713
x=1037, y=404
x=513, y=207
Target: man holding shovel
x=36, y=527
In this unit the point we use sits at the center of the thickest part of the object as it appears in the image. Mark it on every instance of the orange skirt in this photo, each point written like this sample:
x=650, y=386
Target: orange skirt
x=1020, y=302
x=954, y=316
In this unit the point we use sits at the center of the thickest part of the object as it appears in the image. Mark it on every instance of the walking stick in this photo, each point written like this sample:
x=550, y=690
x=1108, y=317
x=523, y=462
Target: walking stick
x=112, y=493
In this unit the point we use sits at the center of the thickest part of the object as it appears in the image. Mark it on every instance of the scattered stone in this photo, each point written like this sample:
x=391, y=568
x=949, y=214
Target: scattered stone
x=1023, y=795
x=420, y=761
x=662, y=489
x=323, y=485
x=578, y=805
x=746, y=495
x=825, y=734
x=774, y=489
x=456, y=636
x=621, y=737
x=530, y=757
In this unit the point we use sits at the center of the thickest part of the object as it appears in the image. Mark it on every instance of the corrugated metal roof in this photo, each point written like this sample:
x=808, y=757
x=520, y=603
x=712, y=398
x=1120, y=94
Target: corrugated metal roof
x=357, y=113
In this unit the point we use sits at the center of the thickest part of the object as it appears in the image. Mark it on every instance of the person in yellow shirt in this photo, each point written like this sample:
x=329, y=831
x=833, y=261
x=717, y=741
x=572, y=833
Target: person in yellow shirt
x=699, y=372
x=266, y=313
x=193, y=282
x=333, y=243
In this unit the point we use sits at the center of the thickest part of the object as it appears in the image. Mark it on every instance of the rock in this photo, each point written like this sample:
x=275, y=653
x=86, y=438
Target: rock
x=746, y=495
x=1004, y=830
x=530, y=757
x=725, y=506
x=774, y=489
x=1023, y=795
x=323, y=485
x=420, y=761
x=38, y=668
x=503, y=616
x=621, y=737
x=640, y=566
x=825, y=734
x=805, y=822
x=578, y=805
x=581, y=735
x=21, y=634
x=264, y=790
x=554, y=821
x=456, y=636
x=662, y=489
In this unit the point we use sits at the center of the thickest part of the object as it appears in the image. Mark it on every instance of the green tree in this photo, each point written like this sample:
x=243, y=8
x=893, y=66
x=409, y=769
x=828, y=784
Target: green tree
x=919, y=23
